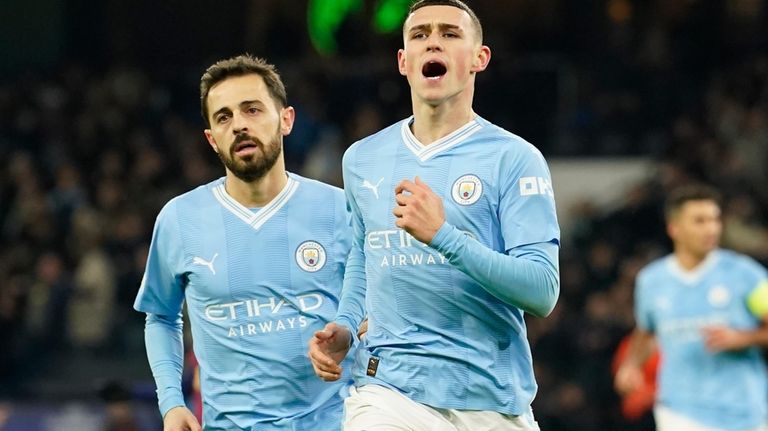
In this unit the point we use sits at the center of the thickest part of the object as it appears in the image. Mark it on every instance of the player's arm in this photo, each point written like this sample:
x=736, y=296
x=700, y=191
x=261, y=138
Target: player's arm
x=328, y=347
x=642, y=341
x=722, y=338
x=351, y=313
x=161, y=296
x=629, y=376
x=165, y=352
x=527, y=277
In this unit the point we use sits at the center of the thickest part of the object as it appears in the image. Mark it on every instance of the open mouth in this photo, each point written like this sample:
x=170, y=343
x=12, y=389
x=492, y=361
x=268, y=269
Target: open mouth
x=433, y=70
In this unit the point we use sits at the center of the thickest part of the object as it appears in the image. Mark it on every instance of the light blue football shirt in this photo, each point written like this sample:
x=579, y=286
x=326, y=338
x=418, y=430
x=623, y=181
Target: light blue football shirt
x=257, y=285
x=727, y=390
x=439, y=337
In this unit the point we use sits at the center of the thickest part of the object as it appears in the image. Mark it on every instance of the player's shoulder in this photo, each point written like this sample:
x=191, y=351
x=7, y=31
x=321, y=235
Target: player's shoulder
x=738, y=261
x=198, y=197
x=313, y=197
x=655, y=271
x=315, y=187
x=504, y=139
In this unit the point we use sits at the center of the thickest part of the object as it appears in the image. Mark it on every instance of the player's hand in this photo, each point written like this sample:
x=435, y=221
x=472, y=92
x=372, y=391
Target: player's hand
x=419, y=210
x=180, y=419
x=327, y=349
x=721, y=338
x=363, y=329
x=628, y=378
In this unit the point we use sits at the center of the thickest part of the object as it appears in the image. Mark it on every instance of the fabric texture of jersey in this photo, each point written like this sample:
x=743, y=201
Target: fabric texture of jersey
x=257, y=284
x=727, y=390
x=434, y=333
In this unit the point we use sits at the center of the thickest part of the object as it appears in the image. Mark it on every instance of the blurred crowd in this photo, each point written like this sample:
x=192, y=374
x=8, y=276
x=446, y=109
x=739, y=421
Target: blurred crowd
x=724, y=143
x=91, y=150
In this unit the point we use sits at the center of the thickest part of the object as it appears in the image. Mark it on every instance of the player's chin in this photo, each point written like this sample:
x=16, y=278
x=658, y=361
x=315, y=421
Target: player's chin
x=432, y=93
x=246, y=159
x=433, y=97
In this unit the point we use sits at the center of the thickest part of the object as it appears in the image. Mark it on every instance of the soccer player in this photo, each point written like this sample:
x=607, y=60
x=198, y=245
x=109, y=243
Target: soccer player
x=455, y=238
x=707, y=308
x=259, y=257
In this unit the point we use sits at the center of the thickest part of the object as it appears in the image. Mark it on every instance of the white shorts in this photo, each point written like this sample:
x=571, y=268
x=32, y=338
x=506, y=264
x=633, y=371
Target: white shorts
x=669, y=420
x=377, y=408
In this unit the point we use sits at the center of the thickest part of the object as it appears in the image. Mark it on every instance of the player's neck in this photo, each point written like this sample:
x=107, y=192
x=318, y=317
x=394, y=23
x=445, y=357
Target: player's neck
x=258, y=193
x=689, y=260
x=431, y=123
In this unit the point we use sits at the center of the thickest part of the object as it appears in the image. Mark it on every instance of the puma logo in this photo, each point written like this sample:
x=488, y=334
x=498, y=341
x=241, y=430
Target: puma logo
x=203, y=262
x=375, y=189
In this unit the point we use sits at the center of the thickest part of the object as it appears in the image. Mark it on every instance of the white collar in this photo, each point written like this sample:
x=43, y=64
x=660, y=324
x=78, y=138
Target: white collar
x=257, y=218
x=425, y=152
x=693, y=275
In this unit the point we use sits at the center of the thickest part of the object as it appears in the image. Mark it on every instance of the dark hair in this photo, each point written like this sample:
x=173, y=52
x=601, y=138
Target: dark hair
x=454, y=3
x=239, y=66
x=690, y=192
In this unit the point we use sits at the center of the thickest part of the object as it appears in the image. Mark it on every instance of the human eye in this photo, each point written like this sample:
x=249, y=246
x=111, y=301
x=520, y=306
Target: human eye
x=222, y=118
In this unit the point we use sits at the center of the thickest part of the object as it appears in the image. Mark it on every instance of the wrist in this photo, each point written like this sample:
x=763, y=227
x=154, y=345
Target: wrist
x=750, y=339
x=170, y=398
x=346, y=328
x=172, y=409
x=441, y=236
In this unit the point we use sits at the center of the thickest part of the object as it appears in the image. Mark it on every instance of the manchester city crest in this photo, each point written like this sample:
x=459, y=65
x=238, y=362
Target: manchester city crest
x=467, y=189
x=310, y=256
x=719, y=296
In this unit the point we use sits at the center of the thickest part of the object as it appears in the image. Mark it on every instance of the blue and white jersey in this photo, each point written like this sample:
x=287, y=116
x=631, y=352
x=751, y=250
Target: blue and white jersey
x=257, y=284
x=727, y=390
x=434, y=333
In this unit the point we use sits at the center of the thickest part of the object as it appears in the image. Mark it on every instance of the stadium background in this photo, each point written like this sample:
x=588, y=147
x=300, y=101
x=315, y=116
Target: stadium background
x=100, y=126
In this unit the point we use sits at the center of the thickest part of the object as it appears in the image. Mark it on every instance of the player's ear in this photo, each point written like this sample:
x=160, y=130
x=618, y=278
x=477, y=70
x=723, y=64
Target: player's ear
x=211, y=141
x=401, y=61
x=287, y=117
x=482, y=58
x=672, y=230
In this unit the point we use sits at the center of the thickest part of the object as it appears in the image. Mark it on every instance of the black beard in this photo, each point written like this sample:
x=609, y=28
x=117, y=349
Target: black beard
x=252, y=168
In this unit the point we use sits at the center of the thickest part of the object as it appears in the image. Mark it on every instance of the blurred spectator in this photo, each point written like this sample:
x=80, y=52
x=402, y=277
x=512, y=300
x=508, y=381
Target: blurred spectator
x=47, y=302
x=91, y=307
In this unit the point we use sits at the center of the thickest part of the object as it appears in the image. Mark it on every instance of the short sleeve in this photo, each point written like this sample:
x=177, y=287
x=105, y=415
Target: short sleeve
x=643, y=311
x=527, y=204
x=162, y=288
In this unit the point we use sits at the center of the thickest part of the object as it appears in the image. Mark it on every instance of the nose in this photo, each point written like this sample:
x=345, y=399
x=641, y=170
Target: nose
x=434, y=42
x=239, y=125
